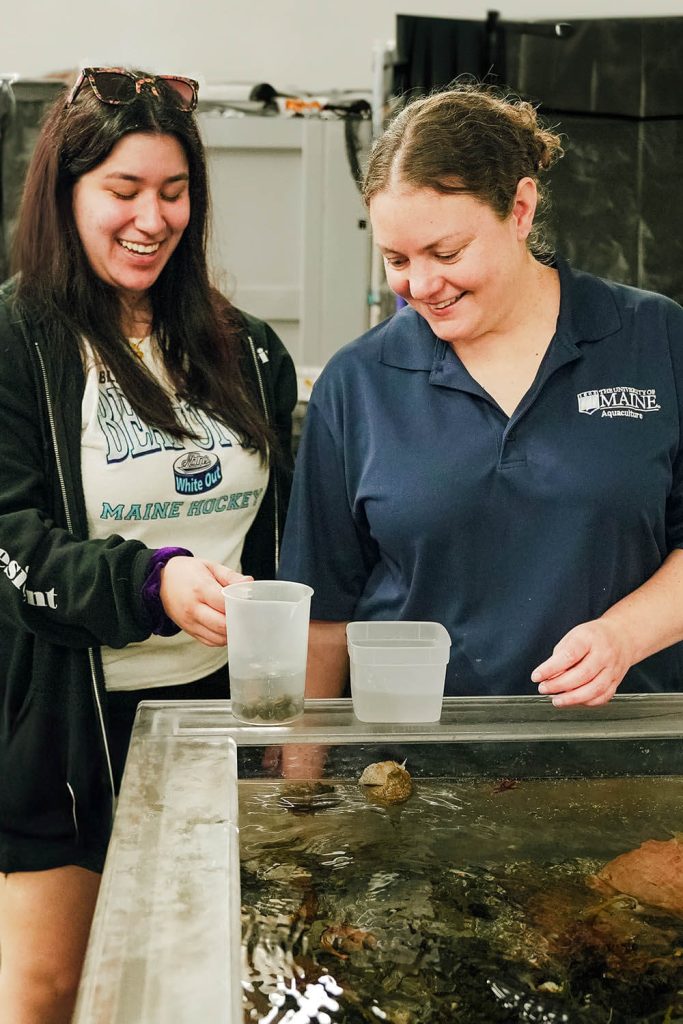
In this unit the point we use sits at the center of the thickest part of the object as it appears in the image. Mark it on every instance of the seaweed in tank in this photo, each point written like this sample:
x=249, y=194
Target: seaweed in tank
x=356, y=912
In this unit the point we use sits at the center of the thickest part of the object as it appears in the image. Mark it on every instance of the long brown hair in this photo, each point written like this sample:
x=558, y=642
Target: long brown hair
x=467, y=138
x=197, y=330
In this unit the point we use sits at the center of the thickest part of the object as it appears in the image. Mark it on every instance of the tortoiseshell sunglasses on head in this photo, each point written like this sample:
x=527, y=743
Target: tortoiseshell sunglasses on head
x=117, y=86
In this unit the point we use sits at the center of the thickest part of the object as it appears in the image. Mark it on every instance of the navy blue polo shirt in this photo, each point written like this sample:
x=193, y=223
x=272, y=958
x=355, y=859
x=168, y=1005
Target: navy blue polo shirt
x=416, y=497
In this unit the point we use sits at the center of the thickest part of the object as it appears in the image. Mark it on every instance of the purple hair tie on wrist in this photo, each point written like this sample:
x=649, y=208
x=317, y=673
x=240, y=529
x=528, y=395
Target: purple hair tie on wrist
x=151, y=596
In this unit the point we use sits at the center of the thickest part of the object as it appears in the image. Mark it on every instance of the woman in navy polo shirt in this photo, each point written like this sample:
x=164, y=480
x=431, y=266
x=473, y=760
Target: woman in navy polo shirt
x=503, y=455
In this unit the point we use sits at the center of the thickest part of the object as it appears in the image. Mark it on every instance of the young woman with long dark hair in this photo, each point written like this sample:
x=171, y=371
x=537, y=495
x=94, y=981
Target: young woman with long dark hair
x=144, y=464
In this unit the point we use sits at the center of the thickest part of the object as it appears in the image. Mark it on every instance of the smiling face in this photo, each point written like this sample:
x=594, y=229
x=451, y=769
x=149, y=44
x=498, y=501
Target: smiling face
x=453, y=259
x=131, y=210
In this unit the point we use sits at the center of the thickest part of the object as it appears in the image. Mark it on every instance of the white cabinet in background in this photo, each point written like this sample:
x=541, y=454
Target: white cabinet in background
x=290, y=237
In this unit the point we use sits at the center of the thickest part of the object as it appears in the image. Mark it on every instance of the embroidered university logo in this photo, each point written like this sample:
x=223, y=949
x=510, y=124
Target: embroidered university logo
x=630, y=402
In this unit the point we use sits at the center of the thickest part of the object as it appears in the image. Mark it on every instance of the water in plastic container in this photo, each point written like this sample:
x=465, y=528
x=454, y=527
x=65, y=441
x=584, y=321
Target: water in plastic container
x=267, y=623
x=268, y=698
x=398, y=670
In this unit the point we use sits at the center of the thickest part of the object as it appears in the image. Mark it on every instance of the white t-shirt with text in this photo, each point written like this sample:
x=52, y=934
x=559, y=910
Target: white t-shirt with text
x=200, y=493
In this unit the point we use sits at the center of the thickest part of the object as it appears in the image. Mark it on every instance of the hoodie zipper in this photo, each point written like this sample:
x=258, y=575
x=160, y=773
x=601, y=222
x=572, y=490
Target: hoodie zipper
x=69, y=524
x=273, y=469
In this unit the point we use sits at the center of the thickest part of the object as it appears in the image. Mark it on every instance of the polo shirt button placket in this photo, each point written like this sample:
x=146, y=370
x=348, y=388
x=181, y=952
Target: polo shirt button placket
x=510, y=453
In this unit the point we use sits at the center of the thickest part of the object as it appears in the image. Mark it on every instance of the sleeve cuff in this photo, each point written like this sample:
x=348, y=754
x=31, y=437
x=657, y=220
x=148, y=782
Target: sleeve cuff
x=151, y=598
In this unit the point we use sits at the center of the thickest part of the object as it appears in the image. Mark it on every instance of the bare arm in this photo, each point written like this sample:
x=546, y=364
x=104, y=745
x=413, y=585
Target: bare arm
x=326, y=676
x=328, y=660
x=590, y=661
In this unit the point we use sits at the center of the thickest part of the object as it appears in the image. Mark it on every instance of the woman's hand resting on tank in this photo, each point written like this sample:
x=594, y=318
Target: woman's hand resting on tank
x=191, y=593
x=586, y=666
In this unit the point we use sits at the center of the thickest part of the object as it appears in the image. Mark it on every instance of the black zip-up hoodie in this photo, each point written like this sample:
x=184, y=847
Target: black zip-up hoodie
x=63, y=596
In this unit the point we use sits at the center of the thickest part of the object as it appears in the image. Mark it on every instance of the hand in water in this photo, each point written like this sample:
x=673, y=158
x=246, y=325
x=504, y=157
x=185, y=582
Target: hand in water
x=296, y=760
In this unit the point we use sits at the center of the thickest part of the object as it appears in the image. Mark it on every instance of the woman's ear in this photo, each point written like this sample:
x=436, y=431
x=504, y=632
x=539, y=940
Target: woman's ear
x=524, y=207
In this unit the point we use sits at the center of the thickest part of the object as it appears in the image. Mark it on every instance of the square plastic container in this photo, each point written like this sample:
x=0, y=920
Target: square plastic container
x=398, y=670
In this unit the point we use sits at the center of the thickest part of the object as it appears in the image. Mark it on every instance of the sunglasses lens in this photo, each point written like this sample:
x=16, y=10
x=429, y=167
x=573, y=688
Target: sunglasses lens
x=114, y=87
x=183, y=90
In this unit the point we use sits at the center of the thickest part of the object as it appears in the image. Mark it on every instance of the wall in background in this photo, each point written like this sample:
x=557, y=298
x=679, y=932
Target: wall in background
x=310, y=45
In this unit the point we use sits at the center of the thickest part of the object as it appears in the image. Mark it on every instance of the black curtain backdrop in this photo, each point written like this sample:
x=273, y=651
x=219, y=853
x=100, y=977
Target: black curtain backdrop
x=614, y=88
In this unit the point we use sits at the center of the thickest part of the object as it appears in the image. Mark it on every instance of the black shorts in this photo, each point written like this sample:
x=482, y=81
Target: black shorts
x=20, y=852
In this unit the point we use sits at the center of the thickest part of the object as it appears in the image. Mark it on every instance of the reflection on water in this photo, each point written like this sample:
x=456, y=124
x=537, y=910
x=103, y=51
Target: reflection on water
x=470, y=902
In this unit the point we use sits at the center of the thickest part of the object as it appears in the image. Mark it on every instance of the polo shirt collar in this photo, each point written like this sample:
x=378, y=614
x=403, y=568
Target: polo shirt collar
x=409, y=342
x=588, y=312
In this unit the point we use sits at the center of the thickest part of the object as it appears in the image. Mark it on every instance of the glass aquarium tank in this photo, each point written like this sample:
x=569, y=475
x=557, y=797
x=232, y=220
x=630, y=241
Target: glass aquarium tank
x=512, y=862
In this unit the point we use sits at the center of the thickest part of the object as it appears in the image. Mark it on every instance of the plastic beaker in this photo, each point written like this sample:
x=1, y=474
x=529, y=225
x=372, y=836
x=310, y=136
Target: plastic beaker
x=267, y=623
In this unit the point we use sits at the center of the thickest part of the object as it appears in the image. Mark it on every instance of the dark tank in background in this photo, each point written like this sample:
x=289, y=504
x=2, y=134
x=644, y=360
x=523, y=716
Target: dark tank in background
x=614, y=88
